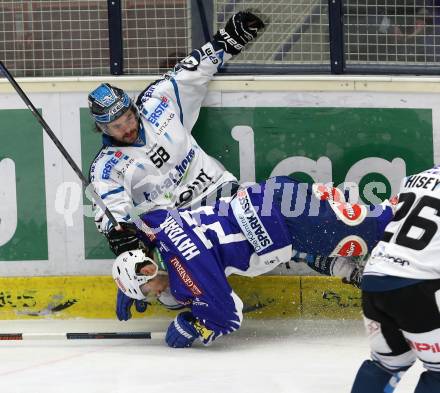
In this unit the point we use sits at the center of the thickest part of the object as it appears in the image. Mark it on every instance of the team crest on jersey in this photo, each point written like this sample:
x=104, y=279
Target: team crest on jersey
x=350, y=246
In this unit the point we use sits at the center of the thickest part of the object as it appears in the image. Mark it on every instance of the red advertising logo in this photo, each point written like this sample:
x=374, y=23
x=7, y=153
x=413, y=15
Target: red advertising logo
x=326, y=192
x=185, y=277
x=421, y=347
x=350, y=246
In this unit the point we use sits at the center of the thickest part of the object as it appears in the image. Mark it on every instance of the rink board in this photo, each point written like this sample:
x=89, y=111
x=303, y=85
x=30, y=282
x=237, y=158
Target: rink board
x=94, y=297
x=371, y=131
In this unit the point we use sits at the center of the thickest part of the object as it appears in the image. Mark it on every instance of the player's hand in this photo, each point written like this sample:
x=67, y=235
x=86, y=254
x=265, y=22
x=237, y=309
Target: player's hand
x=355, y=278
x=124, y=303
x=123, y=238
x=241, y=28
x=182, y=332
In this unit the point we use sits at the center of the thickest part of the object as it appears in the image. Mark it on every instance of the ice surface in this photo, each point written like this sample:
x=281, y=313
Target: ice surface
x=293, y=356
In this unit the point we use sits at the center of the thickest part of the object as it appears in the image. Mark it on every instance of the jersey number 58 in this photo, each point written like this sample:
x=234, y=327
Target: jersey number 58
x=159, y=157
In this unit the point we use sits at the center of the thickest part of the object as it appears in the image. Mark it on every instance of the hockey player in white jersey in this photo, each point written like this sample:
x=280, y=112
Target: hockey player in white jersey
x=149, y=159
x=401, y=292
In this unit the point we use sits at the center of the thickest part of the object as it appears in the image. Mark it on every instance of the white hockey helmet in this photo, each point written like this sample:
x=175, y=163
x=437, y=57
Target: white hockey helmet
x=126, y=272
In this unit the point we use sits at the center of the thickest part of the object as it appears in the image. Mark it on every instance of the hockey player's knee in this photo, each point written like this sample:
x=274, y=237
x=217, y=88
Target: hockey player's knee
x=399, y=357
x=427, y=348
x=429, y=382
x=372, y=377
x=391, y=361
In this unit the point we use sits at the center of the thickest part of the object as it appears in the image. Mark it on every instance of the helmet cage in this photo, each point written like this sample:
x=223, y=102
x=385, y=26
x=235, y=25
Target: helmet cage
x=125, y=273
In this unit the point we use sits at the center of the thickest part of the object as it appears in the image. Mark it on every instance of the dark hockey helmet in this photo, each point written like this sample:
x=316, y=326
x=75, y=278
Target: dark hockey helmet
x=107, y=103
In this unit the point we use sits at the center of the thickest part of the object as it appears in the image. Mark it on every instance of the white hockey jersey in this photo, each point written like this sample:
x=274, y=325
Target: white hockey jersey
x=411, y=244
x=165, y=167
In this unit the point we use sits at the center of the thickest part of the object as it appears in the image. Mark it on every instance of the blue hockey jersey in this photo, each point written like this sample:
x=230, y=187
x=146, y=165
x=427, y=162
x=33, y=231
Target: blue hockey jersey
x=248, y=234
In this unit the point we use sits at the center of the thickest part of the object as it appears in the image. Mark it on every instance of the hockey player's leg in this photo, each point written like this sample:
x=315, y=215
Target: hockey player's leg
x=429, y=382
x=390, y=353
x=374, y=378
x=427, y=348
x=348, y=268
x=322, y=223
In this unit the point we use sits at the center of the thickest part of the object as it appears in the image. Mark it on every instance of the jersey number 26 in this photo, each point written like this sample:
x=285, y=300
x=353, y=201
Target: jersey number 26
x=410, y=214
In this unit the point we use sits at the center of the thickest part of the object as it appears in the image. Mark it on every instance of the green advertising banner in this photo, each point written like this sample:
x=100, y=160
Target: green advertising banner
x=366, y=145
x=344, y=135
x=23, y=223
x=96, y=246
x=372, y=141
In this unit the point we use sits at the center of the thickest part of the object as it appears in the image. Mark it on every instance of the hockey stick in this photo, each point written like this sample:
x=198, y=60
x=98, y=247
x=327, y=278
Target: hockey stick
x=81, y=336
x=204, y=21
x=88, y=186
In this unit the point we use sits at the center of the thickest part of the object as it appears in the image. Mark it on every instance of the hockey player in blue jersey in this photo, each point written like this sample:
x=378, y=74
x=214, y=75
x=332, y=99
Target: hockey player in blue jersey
x=193, y=251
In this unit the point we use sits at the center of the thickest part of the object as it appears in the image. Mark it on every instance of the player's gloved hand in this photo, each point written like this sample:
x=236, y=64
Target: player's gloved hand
x=355, y=278
x=182, y=331
x=123, y=239
x=241, y=28
x=124, y=303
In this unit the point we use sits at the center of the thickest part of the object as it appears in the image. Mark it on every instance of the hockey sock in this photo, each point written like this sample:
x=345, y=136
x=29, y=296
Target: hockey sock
x=429, y=382
x=331, y=266
x=372, y=378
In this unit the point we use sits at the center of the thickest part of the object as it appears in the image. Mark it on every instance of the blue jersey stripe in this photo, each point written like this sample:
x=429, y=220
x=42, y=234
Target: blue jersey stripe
x=176, y=92
x=115, y=191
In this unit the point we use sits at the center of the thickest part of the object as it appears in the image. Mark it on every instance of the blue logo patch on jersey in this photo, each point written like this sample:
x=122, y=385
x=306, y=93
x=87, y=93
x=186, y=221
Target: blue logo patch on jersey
x=110, y=164
x=154, y=117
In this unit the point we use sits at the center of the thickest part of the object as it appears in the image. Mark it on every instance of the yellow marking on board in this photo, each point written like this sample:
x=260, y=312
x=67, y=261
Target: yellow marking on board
x=95, y=297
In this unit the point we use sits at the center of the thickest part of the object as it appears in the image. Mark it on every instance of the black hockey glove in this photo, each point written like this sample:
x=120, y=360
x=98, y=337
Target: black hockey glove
x=355, y=278
x=124, y=239
x=241, y=28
